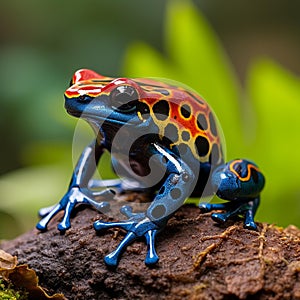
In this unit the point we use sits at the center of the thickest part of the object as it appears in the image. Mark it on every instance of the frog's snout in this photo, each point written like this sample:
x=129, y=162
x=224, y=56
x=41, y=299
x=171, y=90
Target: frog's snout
x=226, y=184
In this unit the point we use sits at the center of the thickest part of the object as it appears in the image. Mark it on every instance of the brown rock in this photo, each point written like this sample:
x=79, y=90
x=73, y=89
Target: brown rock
x=198, y=260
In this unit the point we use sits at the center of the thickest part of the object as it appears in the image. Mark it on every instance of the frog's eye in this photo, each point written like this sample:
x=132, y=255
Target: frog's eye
x=124, y=98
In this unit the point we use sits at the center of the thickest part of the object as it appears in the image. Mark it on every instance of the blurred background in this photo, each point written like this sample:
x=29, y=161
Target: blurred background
x=243, y=57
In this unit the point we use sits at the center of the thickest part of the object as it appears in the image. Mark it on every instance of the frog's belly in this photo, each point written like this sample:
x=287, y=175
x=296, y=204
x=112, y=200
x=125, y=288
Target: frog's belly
x=148, y=174
x=151, y=175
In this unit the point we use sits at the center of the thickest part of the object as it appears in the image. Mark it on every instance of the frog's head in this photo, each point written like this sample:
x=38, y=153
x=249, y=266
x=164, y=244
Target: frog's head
x=238, y=179
x=100, y=99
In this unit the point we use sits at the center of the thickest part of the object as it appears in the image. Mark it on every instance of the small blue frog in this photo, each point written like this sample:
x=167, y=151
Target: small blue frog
x=165, y=140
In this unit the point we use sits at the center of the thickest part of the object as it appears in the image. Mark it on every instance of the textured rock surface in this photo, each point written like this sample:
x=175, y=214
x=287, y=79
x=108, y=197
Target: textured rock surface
x=198, y=260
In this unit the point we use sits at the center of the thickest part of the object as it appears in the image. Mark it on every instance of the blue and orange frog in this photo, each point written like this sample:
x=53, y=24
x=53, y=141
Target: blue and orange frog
x=164, y=140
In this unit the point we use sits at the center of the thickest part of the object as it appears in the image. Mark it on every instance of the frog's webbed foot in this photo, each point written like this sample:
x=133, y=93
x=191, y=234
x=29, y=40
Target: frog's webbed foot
x=245, y=208
x=74, y=196
x=137, y=225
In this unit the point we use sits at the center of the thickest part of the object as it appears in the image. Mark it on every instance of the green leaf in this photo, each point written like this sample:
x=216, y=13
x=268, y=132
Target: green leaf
x=143, y=61
x=194, y=57
x=25, y=191
x=265, y=129
x=276, y=97
x=195, y=48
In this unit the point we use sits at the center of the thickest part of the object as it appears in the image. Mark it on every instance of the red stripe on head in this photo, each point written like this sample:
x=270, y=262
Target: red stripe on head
x=85, y=74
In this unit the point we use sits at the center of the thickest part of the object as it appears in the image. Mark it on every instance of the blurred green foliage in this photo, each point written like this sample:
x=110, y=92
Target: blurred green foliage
x=259, y=121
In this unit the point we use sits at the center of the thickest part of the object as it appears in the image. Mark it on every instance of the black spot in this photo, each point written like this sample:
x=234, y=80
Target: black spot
x=213, y=127
x=202, y=145
x=175, y=193
x=254, y=175
x=214, y=155
x=185, y=111
x=185, y=135
x=171, y=133
x=161, y=110
x=202, y=122
x=163, y=92
x=158, y=211
x=162, y=190
x=143, y=108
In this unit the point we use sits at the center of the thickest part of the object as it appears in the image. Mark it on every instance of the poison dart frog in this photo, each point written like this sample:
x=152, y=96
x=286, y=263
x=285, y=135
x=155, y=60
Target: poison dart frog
x=165, y=140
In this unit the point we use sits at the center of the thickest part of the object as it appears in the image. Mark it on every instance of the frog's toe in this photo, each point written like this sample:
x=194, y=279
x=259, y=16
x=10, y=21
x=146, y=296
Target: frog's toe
x=101, y=226
x=43, y=212
x=127, y=211
x=250, y=225
x=151, y=257
x=220, y=218
x=113, y=258
x=64, y=225
x=136, y=226
x=42, y=224
x=249, y=221
x=250, y=210
x=102, y=206
x=205, y=207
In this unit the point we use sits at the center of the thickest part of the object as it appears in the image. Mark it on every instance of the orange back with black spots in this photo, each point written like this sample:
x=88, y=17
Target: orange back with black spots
x=185, y=118
x=181, y=115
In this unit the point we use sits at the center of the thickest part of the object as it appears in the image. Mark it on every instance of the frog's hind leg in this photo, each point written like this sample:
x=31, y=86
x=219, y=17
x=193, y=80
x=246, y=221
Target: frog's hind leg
x=230, y=208
x=247, y=208
x=250, y=213
x=207, y=207
x=176, y=187
x=240, y=182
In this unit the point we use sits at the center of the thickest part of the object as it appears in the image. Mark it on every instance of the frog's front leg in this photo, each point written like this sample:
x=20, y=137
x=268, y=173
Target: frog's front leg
x=78, y=191
x=240, y=182
x=173, y=192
